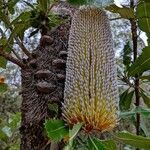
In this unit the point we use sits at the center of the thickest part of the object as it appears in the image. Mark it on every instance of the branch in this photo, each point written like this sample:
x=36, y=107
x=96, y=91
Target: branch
x=113, y=19
x=126, y=80
x=11, y=58
x=23, y=48
x=135, y=54
x=17, y=56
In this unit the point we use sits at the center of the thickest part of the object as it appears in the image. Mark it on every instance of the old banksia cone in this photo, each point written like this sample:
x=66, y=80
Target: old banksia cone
x=91, y=93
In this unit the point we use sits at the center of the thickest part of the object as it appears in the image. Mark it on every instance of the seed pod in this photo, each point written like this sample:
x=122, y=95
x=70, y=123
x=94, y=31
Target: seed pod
x=91, y=94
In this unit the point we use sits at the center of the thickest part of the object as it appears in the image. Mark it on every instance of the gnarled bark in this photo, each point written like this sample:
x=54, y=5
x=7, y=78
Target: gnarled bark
x=42, y=84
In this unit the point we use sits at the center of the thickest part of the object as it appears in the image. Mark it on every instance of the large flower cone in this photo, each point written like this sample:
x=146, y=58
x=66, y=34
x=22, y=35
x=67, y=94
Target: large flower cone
x=91, y=94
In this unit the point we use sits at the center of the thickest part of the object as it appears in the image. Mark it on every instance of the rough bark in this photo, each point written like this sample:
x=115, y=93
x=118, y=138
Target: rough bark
x=43, y=84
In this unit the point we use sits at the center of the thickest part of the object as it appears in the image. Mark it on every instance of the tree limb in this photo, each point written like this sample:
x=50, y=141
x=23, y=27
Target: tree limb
x=135, y=54
x=17, y=56
x=11, y=58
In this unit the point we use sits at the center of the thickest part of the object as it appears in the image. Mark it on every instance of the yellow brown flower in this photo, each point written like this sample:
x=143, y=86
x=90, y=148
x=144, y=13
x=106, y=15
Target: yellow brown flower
x=91, y=94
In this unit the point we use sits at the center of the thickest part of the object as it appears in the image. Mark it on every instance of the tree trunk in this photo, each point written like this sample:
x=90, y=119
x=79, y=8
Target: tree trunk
x=42, y=85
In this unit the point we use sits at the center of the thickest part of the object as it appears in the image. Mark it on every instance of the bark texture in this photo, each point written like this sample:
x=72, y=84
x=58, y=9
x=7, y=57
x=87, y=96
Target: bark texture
x=43, y=84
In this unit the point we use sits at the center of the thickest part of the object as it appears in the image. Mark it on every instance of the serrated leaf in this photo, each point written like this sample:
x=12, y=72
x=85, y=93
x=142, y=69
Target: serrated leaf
x=141, y=64
x=126, y=100
x=133, y=140
x=3, y=87
x=124, y=12
x=145, y=98
x=143, y=15
x=56, y=129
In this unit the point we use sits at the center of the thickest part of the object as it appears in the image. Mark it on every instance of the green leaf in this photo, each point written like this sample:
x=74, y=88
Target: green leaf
x=146, y=99
x=72, y=134
x=24, y=16
x=109, y=145
x=144, y=112
x=14, y=121
x=127, y=114
x=96, y=144
x=126, y=100
x=77, y=2
x=127, y=55
x=124, y=12
x=141, y=64
x=145, y=77
x=5, y=19
x=145, y=126
x=56, y=129
x=3, y=62
x=143, y=15
x=133, y=140
x=43, y=5
x=3, y=87
x=76, y=128
x=11, y=5
x=3, y=136
x=19, y=29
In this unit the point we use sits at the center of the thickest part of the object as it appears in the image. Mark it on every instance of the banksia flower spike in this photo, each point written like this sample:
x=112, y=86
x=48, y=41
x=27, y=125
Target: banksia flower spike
x=91, y=94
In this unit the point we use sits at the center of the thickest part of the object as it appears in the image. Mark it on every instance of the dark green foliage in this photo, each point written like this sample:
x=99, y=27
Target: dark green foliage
x=77, y=2
x=3, y=87
x=9, y=132
x=143, y=15
x=126, y=100
x=133, y=140
x=56, y=129
x=141, y=64
x=124, y=12
x=145, y=98
x=127, y=51
x=96, y=144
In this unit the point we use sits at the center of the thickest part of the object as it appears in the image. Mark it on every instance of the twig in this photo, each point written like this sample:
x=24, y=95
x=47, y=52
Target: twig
x=19, y=42
x=17, y=56
x=113, y=19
